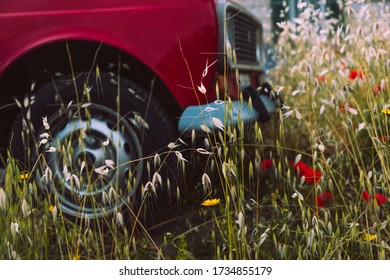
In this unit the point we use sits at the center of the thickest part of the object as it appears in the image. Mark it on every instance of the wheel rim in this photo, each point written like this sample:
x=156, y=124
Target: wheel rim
x=94, y=169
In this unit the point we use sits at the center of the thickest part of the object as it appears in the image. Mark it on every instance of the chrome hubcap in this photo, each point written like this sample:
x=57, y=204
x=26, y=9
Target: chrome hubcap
x=94, y=169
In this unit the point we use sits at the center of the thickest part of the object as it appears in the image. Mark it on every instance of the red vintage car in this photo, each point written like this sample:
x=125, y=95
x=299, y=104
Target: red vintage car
x=93, y=92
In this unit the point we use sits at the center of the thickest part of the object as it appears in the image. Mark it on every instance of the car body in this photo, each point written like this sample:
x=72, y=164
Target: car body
x=186, y=54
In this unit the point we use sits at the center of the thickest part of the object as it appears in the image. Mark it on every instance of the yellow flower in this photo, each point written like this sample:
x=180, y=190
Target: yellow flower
x=370, y=237
x=76, y=257
x=211, y=202
x=51, y=208
x=24, y=176
x=386, y=111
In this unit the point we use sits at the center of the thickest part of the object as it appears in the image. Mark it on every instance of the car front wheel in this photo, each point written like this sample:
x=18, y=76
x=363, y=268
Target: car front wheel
x=96, y=143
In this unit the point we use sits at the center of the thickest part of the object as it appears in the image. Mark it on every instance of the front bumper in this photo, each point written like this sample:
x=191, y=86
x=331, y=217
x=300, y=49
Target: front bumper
x=205, y=118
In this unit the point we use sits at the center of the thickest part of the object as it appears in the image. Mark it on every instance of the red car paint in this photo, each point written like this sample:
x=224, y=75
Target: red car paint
x=174, y=39
x=150, y=31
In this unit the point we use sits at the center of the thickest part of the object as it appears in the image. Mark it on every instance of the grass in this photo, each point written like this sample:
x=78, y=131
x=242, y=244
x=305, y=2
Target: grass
x=310, y=184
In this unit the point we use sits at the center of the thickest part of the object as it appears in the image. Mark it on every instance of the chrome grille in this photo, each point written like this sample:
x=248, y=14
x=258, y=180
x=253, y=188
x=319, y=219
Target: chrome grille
x=243, y=35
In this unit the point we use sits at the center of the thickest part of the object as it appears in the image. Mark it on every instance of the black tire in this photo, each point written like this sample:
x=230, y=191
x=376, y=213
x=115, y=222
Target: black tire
x=83, y=114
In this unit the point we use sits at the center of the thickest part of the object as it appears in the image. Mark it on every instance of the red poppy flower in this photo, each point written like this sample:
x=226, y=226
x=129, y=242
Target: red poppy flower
x=320, y=79
x=384, y=138
x=376, y=90
x=380, y=199
x=365, y=196
x=356, y=74
x=345, y=106
x=265, y=164
x=322, y=199
x=299, y=167
x=312, y=176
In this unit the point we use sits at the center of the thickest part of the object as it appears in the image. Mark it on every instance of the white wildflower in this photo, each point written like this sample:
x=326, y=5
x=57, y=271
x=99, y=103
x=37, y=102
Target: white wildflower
x=51, y=150
x=202, y=89
x=278, y=90
x=301, y=5
x=47, y=175
x=140, y=121
x=85, y=105
x=294, y=195
x=43, y=141
x=26, y=101
x=172, y=145
x=297, y=159
x=203, y=151
x=342, y=49
x=219, y=102
x=45, y=123
x=297, y=114
x=264, y=236
x=297, y=194
x=295, y=92
x=371, y=52
x=288, y=114
x=157, y=179
x=54, y=213
x=241, y=225
x=69, y=104
x=24, y=208
x=119, y=219
x=182, y=141
x=218, y=123
x=205, y=128
x=206, y=142
x=323, y=72
x=14, y=229
x=157, y=160
x=109, y=163
x=17, y=103
x=180, y=156
x=66, y=173
x=105, y=198
x=193, y=136
x=322, y=109
x=240, y=219
x=3, y=199
x=102, y=170
x=149, y=188
x=76, y=180
x=44, y=135
x=282, y=24
x=210, y=109
x=361, y=126
x=82, y=167
x=28, y=114
x=206, y=183
x=105, y=143
x=112, y=194
x=351, y=110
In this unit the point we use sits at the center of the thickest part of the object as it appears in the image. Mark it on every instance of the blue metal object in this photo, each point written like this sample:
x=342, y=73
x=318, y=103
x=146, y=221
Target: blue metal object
x=229, y=113
x=200, y=118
